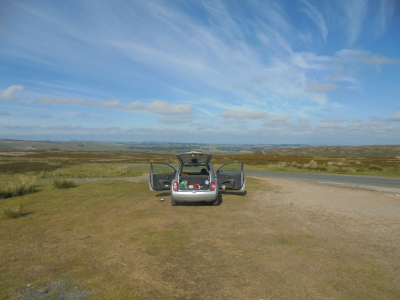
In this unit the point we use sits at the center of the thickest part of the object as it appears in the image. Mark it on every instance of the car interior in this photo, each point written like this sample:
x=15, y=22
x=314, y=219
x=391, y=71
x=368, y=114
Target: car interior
x=195, y=174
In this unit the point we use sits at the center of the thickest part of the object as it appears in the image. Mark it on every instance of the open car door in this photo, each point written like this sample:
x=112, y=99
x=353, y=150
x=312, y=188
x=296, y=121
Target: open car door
x=161, y=176
x=231, y=176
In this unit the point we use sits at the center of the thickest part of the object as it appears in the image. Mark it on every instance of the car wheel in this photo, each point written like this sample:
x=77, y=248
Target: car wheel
x=173, y=203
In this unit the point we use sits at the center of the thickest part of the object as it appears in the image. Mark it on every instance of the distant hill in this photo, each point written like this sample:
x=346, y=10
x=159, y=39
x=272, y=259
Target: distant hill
x=137, y=147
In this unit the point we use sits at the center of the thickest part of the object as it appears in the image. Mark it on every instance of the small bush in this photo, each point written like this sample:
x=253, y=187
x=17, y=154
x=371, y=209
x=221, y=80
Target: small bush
x=375, y=168
x=122, y=171
x=63, y=183
x=13, y=212
x=5, y=194
x=311, y=165
x=25, y=185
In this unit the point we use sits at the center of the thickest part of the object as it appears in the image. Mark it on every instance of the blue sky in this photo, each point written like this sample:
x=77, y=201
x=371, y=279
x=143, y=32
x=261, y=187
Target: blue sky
x=314, y=72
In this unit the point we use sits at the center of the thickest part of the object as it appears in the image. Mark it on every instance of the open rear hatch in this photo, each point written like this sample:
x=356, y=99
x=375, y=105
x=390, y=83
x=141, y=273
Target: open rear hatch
x=194, y=158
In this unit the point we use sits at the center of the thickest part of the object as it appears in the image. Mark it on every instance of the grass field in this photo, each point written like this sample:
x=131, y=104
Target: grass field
x=116, y=240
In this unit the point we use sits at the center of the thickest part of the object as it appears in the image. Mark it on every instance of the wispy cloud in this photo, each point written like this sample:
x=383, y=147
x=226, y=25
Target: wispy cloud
x=257, y=114
x=317, y=17
x=355, y=11
x=395, y=117
x=4, y=113
x=339, y=120
x=159, y=107
x=284, y=119
x=9, y=93
x=81, y=115
x=387, y=10
x=346, y=56
x=175, y=120
x=321, y=87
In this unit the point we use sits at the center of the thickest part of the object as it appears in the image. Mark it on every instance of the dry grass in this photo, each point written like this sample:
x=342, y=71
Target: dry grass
x=95, y=171
x=64, y=183
x=368, y=160
x=13, y=212
x=25, y=185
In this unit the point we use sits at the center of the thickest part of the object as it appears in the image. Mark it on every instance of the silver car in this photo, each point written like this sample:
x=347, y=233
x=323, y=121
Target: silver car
x=195, y=180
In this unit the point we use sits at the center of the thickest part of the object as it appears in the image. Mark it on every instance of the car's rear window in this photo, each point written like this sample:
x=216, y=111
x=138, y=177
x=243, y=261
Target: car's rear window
x=194, y=158
x=194, y=170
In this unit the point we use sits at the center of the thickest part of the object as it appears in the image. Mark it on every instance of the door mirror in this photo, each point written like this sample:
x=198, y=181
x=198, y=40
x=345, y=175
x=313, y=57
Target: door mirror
x=219, y=171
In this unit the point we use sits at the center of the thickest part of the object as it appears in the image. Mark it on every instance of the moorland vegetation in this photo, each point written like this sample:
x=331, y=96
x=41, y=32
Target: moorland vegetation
x=363, y=160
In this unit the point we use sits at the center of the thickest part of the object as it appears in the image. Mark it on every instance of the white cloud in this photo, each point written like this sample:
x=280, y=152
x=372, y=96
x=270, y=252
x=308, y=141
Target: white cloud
x=157, y=106
x=308, y=60
x=256, y=114
x=8, y=93
x=377, y=123
x=326, y=125
x=362, y=57
x=68, y=101
x=162, y=107
x=132, y=106
x=321, y=87
x=395, y=117
x=282, y=120
x=81, y=115
x=112, y=103
x=355, y=125
x=379, y=60
x=339, y=120
x=175, y=120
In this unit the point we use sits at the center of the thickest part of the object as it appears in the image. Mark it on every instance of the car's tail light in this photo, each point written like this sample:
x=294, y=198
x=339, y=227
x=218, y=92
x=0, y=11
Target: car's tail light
x=175, y=185
x=212, y=188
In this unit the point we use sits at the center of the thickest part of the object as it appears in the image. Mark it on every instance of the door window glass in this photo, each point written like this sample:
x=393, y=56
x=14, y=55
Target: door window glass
x=234, y=168
x=162, y=169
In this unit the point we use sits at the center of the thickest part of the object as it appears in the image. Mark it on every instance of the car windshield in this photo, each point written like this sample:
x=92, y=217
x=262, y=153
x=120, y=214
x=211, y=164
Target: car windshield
x=194, y=158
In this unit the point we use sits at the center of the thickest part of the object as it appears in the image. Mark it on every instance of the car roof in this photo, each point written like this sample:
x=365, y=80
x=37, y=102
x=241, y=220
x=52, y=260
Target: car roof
x=194, y=157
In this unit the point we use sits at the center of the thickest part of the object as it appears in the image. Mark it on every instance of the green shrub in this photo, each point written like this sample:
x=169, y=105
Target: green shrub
x=5, y=194
x=375, y=168
x=25, y=185
x=13, y=212
x=63, y=183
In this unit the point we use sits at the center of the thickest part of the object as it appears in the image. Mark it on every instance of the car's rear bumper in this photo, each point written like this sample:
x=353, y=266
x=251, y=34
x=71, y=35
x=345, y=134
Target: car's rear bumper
x=194, y=195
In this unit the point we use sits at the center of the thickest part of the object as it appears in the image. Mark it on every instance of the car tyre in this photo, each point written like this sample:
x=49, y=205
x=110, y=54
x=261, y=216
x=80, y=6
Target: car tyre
x=217, y=201
x=173, y=203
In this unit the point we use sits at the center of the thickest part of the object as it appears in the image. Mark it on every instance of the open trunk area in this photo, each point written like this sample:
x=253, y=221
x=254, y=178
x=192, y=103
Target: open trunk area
x=196, y=179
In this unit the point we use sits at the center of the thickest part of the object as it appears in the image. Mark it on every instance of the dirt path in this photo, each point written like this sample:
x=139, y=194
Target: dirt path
x=329, y=198
x=348, y=237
